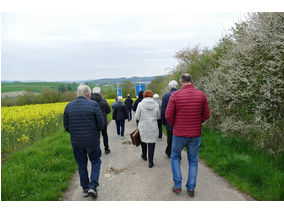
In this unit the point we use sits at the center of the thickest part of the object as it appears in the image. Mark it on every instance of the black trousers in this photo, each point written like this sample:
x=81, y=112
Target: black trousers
x=169, y=143
x=160, y=128
x=105, y=138
x=151, y=147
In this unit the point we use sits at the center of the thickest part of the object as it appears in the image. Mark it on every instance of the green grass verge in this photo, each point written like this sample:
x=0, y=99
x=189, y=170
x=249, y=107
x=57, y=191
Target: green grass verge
x=39, y=172
x=251, y=170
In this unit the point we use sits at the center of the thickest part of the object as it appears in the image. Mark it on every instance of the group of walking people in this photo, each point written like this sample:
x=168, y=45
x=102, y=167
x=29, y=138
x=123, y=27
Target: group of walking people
x=181, y=111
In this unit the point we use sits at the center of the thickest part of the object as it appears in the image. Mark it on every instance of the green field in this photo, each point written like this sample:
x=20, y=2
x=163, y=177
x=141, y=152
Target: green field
x=34, y=86
x=38, y=86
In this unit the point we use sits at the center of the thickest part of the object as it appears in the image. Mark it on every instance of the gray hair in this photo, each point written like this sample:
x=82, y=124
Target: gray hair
x=96, y=90
x=120, y=98
x=83, y=90
x=173, y=84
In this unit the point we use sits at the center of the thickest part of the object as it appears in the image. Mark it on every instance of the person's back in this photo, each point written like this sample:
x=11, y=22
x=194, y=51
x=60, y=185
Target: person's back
x=128, y=102
x=186, y=111
x=138, y=100
x=102, y=103
x=97, y=96
x=190, y=115
x=83, y=125
x=83, y=120
x=119, y=111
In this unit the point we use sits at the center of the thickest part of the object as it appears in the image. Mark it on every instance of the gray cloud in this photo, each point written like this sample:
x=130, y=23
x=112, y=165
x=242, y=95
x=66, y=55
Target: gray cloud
x=99, y=46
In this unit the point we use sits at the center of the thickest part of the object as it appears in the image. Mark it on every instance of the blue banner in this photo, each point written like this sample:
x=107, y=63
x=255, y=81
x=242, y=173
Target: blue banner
x=118, y=91
x=139, y=87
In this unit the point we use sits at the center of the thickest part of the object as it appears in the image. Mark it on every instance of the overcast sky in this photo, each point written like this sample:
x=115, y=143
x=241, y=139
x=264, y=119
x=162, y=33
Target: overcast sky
x=80, y=46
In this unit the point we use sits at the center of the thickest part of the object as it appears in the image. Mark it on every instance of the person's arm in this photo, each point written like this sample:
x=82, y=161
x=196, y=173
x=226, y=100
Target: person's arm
x=66, y=120
x=138, y=112
x=159, y=113
x=135, y=106
x=206, y=111
x=107, y=108
x=170, y=111
x=125, y=112
x=114, y=113
x=99, y=118
x=163, y=111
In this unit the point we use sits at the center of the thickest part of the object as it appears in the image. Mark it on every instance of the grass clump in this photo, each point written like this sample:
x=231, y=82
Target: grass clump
x=39, y=172
x=251, y=170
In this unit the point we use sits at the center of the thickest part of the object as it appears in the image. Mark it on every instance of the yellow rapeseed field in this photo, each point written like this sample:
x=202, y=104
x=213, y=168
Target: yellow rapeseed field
x=21, y=125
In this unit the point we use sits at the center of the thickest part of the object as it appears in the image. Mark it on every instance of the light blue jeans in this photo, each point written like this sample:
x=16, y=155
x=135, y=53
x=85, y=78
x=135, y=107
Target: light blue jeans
x=192, y=145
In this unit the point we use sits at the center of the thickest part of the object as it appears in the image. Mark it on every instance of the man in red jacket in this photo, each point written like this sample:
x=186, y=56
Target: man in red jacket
x=186, y=111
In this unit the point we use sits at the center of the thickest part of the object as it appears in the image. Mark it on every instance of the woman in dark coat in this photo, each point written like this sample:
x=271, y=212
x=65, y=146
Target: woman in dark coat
x=138, y=100
x=119, y=114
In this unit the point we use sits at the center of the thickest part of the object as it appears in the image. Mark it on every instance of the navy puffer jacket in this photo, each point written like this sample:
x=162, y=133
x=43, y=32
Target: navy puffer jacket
x=83, y=119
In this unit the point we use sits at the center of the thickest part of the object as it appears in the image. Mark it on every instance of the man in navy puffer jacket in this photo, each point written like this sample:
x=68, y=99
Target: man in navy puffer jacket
x=84, y=120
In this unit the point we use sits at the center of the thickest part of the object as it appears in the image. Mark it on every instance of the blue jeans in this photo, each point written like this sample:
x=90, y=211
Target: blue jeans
x=129, y=114
x=120, y=123
x=192, y=145
x=81, y=157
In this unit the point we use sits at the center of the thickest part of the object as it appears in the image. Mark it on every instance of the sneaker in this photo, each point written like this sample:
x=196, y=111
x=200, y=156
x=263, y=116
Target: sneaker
x=122, y=137
x=176, y=189
x=144, y=158
x=85, y=193
x=190, y=193
x=93, y=193
x=107, y=151
x=151, y=165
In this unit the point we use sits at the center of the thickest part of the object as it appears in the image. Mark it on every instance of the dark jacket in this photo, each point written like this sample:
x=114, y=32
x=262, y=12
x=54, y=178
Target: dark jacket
x=119, y=111
x=103, y=105
x=128, y=102
x=187, y=110
x=83, y=119
x=165, y=102
x=139, y=99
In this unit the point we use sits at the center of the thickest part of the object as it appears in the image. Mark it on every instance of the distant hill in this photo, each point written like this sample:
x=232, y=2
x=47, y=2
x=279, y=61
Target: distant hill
x=120, y=80
x=98, y=81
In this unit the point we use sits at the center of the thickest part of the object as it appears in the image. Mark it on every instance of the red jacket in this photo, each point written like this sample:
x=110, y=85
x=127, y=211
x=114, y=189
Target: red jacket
x=187, y=110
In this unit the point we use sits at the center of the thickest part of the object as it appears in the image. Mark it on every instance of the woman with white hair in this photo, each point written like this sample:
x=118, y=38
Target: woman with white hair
x=119, y=114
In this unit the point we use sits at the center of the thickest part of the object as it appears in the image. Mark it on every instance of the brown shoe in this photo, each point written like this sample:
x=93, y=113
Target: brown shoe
x=176, y=189
x=190, y=193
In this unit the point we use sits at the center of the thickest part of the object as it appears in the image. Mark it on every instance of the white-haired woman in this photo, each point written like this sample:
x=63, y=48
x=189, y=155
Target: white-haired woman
x=119, y=114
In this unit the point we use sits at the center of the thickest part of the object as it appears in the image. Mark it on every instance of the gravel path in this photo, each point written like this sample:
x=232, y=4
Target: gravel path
x=125, y=176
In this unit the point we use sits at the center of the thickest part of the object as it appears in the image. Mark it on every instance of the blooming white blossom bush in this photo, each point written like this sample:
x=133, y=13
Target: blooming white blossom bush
x=246, y=90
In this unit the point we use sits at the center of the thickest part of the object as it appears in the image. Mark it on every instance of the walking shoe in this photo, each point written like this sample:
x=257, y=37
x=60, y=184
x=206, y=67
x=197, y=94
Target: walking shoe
x=169, y=156
x=93, y=193
x=176, y=189
x=122, y=137
x=151, y=165
x=85, y=193
x=190, y=193
x=144, y=158
x=107, y=151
